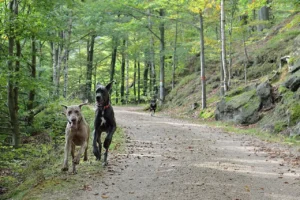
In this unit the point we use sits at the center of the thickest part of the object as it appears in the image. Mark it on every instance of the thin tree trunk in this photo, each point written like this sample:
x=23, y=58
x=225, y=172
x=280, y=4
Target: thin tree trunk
x=246, y=55
x=162, y=57
x=202, y=62
x=66, y=56
x=222, y=91
x=223, y=40
x=145, y=78
x=113, y=59
x=31, y=96
x=89, y=70
x=152, y=61
x=123, y=64
x=139, y=82
x=174, y=56
x=127, y=73
x=233, y=10
x=134, y=80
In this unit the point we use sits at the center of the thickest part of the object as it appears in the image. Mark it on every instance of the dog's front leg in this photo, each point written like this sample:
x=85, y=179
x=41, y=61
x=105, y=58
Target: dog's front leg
x=67, y=152
x=95, y=147
x=76, y=160
x=107, y=143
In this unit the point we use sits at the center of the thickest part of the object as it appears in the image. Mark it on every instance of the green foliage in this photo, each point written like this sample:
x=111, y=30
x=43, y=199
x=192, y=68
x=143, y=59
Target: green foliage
x=295, y=113
x=280, y=126
x=207, y=113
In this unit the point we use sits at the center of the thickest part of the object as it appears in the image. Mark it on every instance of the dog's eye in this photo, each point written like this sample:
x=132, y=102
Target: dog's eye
x=76, y=111
x=70, y=112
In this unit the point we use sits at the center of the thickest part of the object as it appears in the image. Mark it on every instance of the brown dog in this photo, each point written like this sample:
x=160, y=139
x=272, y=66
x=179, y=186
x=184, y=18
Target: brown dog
x=77, y=134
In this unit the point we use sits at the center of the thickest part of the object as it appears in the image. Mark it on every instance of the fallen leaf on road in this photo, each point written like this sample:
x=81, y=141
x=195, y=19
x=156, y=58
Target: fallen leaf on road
x=104, y=196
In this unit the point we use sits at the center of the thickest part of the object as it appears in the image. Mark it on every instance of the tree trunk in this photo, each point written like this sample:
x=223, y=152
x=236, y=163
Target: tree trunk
x=122, y=89
x=139, y=82
x=234, y=4
x=222, y=92
x=127, y=72
x=12, y=85
x=145, y=78
x=263, y=15
x=66, y=56
x=113, y=59
x=31, y=96
x=202, y=62
x=223, y=47
x=152, y=61
x=162, y=57
x=134, y=81
x=174, y=56
x=89, y=67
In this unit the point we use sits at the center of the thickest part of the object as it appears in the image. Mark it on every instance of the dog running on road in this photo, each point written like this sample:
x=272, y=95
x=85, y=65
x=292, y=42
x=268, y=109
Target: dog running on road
x=152, y=107
x=104, y=121
x=77, y=134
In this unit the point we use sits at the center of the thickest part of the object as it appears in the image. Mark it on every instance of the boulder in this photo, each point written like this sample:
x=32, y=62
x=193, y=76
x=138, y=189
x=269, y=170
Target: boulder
x=264, y=91
x=240, y=109
x=293, y=82
x=295, y=131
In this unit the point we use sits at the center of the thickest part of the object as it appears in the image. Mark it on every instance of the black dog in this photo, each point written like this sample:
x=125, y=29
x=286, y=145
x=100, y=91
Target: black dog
x=104, y=121
x=152, y=106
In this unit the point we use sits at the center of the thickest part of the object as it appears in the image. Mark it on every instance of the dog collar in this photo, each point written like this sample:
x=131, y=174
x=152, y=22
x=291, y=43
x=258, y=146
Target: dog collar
x=105, y=107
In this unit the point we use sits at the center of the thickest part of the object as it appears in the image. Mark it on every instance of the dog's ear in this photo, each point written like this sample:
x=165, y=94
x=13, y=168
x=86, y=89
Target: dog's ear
x=66, y=107
x=82, y=104
x=109, y=86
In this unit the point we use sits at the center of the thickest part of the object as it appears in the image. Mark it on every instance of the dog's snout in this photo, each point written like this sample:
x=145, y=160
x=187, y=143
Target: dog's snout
x=98, y=98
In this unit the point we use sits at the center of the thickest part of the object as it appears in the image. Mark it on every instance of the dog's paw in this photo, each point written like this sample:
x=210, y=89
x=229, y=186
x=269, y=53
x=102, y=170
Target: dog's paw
x=104, y=164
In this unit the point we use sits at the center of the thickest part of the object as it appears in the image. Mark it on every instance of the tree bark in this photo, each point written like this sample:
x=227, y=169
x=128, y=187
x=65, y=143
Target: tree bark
x=223, y=47
x=123, y=64
x=174, y=56
x=263, y=15
x=12, y=85
x=222, y=92
x=139, y=82
x=202, y=63
x=145, y=78
x=152, y=61
x=127, y=72
x=31, y=95
x=113, y=59
x=162, y=57
x=89, y=67
x=66, y=56
x=134, y=80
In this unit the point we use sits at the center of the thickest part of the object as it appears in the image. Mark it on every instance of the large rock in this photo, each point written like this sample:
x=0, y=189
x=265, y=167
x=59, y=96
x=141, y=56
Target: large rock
x=295, y=131
x=240, y=109
x=293, y=82
x=264, y=91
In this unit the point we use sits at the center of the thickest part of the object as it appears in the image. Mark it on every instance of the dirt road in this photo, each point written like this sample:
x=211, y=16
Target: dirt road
x=172, y=159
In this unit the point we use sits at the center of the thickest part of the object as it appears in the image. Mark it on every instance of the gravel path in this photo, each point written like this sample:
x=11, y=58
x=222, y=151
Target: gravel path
x=172, y=159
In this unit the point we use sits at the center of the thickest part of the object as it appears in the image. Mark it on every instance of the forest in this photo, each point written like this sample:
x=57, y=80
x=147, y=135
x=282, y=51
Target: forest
x=55, y=52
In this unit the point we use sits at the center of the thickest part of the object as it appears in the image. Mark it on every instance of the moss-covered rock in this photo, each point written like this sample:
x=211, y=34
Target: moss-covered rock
x=240, y=109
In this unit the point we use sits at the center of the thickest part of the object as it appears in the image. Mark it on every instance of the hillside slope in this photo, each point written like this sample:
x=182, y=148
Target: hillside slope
x=269, y=94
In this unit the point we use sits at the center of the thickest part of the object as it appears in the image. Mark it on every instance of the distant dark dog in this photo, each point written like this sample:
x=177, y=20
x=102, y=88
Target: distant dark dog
x=152, y=107
x=104, y=121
